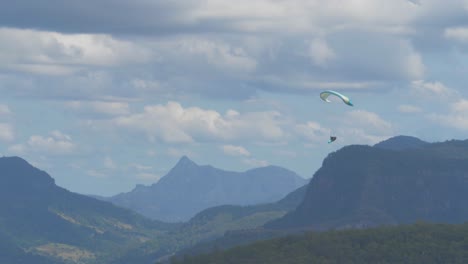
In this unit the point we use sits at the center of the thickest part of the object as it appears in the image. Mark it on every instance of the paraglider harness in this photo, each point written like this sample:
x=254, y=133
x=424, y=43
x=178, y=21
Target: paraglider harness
x=332, y=138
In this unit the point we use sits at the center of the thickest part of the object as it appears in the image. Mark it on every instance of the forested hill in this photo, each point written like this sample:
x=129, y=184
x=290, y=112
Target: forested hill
x=362, y=186
x=417, y=243
x=41, y=222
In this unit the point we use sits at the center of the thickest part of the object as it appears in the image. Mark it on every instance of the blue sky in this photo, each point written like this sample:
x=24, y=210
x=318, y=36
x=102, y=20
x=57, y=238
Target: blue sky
x=106, y=94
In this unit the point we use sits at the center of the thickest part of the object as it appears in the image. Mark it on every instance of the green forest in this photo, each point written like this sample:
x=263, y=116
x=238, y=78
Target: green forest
x=416, y=243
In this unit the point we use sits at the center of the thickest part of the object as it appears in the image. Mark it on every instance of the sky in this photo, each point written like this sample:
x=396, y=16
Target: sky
x=107, y=94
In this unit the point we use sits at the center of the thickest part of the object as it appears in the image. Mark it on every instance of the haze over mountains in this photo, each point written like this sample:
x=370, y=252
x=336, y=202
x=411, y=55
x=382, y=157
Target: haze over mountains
x=400, y=180
x=189, y=188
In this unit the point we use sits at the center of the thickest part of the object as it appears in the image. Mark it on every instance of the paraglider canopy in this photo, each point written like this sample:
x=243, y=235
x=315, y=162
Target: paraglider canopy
x=324, y=95
x=332, y=138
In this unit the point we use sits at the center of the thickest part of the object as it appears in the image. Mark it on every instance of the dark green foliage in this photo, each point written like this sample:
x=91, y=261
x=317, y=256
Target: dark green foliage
x=416, y=243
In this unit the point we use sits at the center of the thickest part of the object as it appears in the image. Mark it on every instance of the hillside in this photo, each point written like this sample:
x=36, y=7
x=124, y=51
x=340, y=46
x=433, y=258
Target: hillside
x=401, y=143
x=416, y=243
x=38, y=217
x=363, y=186
x=226, y=225
x=189, y=188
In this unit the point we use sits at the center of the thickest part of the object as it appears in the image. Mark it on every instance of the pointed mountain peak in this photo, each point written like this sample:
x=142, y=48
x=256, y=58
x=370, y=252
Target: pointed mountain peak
x=185, y=162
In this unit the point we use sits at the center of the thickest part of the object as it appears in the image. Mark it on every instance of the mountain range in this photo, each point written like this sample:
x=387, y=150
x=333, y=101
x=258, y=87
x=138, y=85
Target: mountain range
x=40, y=220
x=398, y=181
x=189, y=188
x=389, y=183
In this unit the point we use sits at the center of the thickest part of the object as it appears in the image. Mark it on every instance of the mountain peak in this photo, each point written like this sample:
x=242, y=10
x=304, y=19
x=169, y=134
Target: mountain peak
x=184, y=161
x=16, y=170
x=401, y=143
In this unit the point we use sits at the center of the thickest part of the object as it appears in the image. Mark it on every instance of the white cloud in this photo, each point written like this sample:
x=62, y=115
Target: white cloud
x=17, y=149
x=320, y=52
x=232, y=150
x=140, y=167
x=57, y=143
x=435, y=89
x=109, y=163
x=460, y=107
x=303, y=16
x=151, y=153
x=148, y=176
x=409, y=109
x=312, y=131
x=97, y=174
x=60, y=136
x=100, y=107
x=367, y=120
x=6, y=132
x=179, y=152
x=363, y=127
x=43, y=52
x=4, y=110
x=51, y=144
x=256, y=162
x=355, y=135
x=229, y=61
x=173, y=123
x=456, y=118
x=457, y=33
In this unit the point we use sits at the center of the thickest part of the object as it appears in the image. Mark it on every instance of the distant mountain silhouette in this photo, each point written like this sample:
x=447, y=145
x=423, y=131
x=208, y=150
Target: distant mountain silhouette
x=38, y=217
x=189, y=188
x=360, y=186
x=401, y=143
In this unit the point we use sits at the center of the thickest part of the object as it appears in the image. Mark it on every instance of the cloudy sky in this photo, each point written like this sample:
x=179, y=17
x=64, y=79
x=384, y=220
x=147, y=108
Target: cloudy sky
x=106, y=94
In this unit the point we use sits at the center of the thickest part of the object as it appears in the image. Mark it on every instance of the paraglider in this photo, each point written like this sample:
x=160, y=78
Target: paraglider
x=324, y=96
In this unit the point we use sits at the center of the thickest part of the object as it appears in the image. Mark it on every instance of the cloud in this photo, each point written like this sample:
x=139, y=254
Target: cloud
x=456, y=118
x=148, y=176
x=172, y=123
x=256, y=162
x=52, y=53
x=96, y=174
x=109, y=163
x=312, y=131
x=232, y=150
x=18, y=149
x=57, y=143
x=409, y=109
x=6, y=132
x=179, y=152
x=366, y=127
x=4, y=110
x=366, y=119
x=99, y=107
x=459, y=34
x=320, y=52
x=218, y=48
x=431, y=89
x=185, y=16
